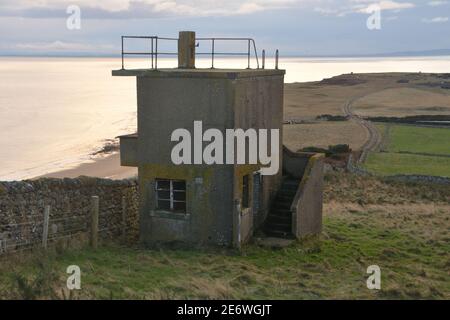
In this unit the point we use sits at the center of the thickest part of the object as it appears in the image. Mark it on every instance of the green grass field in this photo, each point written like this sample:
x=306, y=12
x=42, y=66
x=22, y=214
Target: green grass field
x=407, y=236
x=397, y=163
x=412, y=150
x=405, y=138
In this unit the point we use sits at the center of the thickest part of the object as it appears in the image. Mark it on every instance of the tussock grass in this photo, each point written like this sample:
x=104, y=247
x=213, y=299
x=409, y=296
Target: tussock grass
x=345, y=187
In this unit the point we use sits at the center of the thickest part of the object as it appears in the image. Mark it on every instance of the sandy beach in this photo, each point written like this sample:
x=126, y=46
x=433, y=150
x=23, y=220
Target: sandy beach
x=107, y=167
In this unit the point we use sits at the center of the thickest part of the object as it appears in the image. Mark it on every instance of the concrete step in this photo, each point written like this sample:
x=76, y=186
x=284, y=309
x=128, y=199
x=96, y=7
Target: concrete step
x=280, y=234
x=288, y=188
x=287, y=191
x=278, y=218
x=295, y=182
x=280, y=226
x=279, y=221
x=281, y=205
x=285, y=197
x=281, y=212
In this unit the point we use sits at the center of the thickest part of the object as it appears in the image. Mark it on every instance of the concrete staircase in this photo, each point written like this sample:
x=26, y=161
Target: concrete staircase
x=279, y=220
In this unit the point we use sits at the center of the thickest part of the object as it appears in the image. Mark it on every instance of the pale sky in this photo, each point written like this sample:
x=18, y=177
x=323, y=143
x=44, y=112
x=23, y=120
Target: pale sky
x=296, y=27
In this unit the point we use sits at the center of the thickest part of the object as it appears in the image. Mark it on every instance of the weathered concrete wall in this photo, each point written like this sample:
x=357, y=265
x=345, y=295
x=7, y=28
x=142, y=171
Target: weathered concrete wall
x=177, y=103
x=22, y=209
x=295, y=163
x=221, y=100
x=243, y=218
x=129, y=150
x=209, y=202
x=167, y=104
x=307, y=205
x=259, y=105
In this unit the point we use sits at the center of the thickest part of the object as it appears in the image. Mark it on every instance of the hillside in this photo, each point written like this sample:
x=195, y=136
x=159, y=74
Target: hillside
x=400, y=121
x=401, y=227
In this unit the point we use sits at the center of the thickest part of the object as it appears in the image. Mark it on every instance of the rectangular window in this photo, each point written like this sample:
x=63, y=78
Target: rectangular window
x=171, y=195
x=245, y=192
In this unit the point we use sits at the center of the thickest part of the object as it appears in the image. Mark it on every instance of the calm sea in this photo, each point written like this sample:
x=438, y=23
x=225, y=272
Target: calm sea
x=55, y=112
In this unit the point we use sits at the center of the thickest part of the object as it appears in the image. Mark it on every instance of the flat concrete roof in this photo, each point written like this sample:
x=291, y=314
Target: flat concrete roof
x=128, y=136
x=198, y=73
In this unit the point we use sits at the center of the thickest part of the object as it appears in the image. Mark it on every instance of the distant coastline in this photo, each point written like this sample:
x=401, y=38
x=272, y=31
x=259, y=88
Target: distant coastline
x=395, y=54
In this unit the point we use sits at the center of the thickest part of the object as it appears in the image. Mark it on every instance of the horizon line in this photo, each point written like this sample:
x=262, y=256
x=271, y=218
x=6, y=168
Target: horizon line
x=94, y=55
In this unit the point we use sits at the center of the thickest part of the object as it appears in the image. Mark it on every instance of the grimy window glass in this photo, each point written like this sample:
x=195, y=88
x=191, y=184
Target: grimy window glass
x=245, y=192
x=171, y=195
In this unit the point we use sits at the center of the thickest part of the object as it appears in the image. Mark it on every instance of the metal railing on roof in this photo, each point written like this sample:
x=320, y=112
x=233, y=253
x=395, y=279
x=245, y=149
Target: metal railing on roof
x=251, y=45
x=153, y=47
x=250, y=53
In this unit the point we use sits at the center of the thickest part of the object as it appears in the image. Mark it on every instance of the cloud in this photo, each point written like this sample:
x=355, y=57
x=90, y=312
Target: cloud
x=116, y=9
x=250, y=8
x=59, y=46
x=385, y=5
x=435, y=20
x=109, y=5
x=437, y=3
x=330, y=11
x=361, y=6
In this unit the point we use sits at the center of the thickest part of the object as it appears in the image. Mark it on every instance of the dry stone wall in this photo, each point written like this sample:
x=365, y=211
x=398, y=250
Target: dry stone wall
x=22, y=205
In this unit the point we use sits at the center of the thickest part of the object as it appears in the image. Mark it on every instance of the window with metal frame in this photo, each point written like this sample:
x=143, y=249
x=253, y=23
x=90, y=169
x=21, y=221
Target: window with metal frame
x=171, y=195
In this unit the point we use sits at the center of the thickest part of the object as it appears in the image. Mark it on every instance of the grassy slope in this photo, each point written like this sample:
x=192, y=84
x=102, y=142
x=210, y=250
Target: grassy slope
x=402, y=228
x=421, y=142
x=379, y=94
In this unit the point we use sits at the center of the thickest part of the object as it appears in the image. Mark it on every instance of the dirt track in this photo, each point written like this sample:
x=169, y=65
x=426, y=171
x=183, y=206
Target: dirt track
x=374, y=139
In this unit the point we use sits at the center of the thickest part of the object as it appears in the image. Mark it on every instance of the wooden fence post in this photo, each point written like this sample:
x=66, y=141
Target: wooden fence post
x=94, y=221
x=124, y=218
x=45, y=226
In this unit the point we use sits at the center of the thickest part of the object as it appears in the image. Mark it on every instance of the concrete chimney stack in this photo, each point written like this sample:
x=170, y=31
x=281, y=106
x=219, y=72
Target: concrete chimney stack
x=186, y=50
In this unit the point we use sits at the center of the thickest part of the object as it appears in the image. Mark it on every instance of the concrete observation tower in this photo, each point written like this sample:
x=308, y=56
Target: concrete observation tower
x=220, y=204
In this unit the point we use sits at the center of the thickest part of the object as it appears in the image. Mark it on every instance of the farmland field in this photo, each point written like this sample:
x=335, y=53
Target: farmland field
x=401, y=102
x=404, y=138
x=397, y=163
x=370, y=95
x=412, y=150
x=323, y=135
